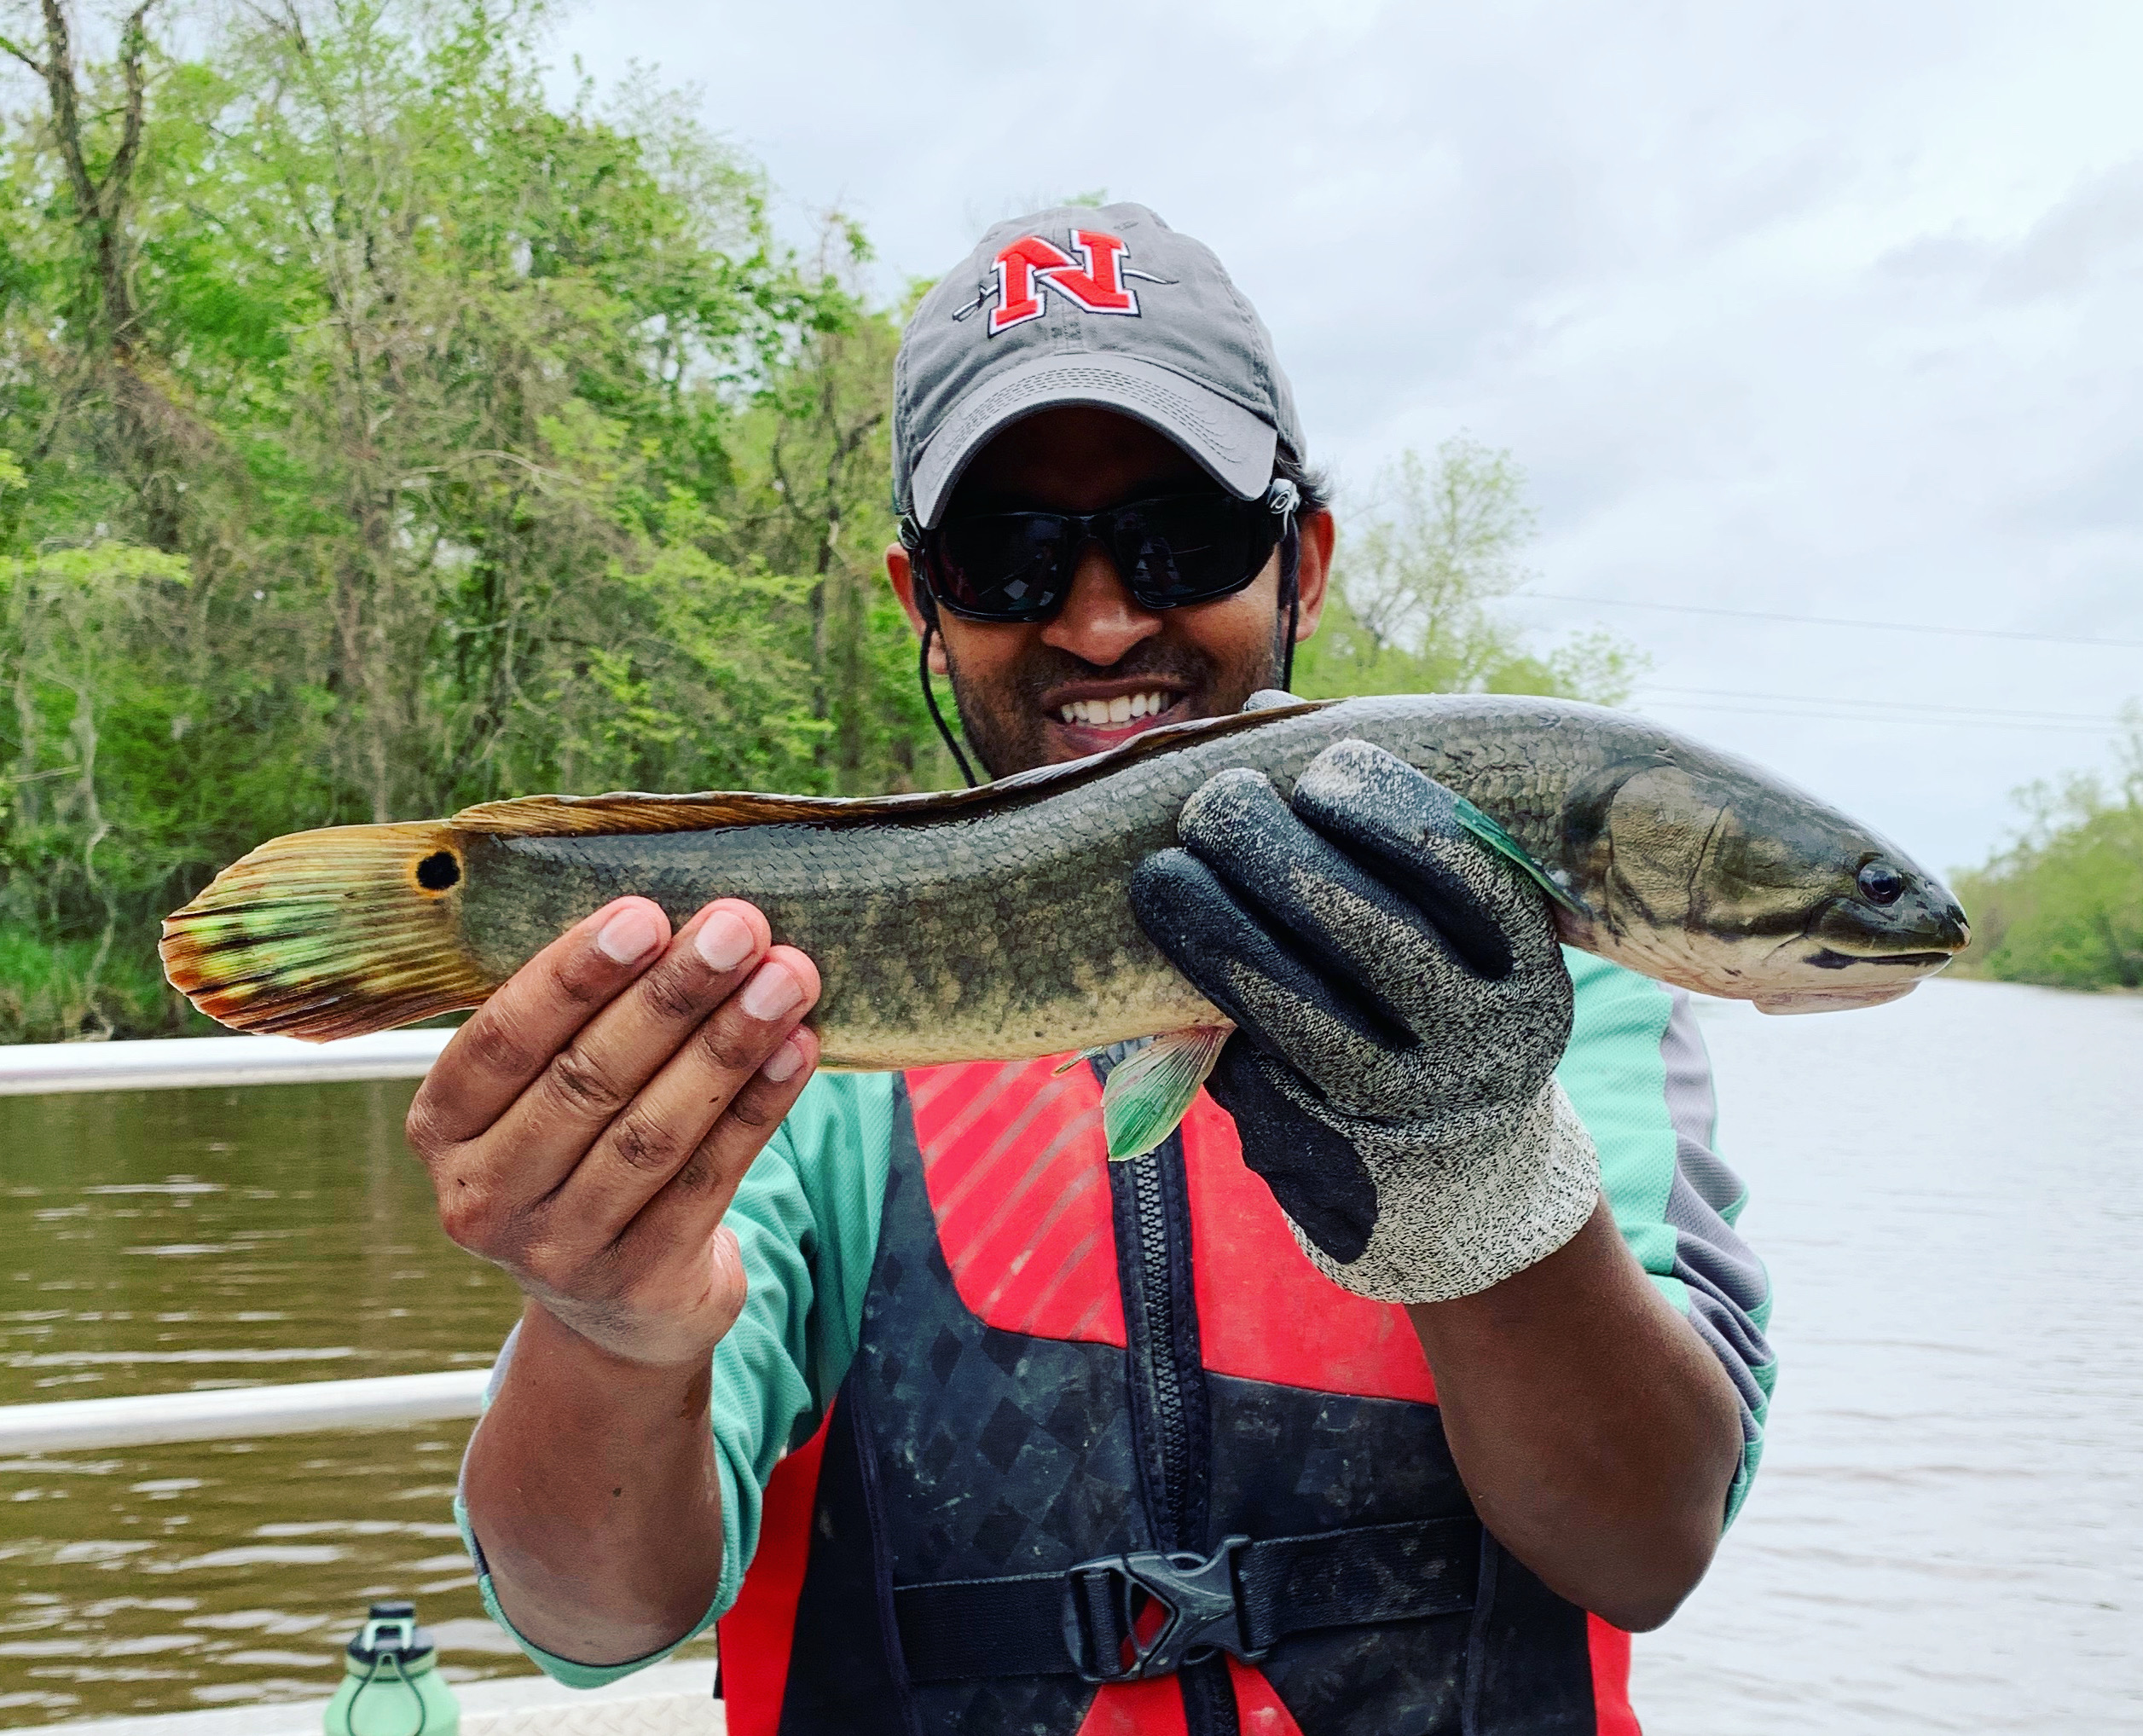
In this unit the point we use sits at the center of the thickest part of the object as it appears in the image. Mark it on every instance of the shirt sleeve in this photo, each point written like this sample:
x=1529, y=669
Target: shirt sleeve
x=806, y=1219
x=1638, y=1072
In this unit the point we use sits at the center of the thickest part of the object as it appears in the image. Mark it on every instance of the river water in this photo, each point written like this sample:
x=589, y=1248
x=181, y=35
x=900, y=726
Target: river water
x=1946, y=1534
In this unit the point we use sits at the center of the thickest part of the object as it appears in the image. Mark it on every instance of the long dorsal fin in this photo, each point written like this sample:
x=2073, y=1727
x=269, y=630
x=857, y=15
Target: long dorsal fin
x=631, y=810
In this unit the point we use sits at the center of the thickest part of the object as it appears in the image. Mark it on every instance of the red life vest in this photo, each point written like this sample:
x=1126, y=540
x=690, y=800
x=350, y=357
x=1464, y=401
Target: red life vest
x=1046, y=1377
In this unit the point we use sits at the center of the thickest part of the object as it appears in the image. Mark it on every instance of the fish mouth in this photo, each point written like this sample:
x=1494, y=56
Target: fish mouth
x=1922, y=933
x=1822, y=973
x=1829, y=959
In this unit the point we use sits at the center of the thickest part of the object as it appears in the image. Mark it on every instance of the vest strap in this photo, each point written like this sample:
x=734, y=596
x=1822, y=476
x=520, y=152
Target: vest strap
x=1087, y=1621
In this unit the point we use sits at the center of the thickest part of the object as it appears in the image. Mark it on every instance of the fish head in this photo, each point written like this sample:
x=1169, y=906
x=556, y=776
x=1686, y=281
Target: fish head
x=1711, y=873
x=1874, y=937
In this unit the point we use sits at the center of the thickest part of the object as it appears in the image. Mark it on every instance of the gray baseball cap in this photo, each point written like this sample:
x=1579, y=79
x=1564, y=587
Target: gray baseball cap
x=1084, y=305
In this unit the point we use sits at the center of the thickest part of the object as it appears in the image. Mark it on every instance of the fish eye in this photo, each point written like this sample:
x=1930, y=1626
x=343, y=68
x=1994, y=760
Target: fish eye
x=1880, y=883
x=438, y=871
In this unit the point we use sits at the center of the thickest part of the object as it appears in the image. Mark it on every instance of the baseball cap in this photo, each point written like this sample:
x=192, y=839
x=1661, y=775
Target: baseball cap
x=1079, y=305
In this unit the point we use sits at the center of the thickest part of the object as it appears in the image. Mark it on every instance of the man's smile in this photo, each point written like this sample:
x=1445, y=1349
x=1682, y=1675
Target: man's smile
x=1089, y=717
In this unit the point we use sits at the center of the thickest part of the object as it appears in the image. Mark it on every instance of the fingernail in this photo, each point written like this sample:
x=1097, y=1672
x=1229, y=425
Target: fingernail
x=724, y=941
x=781, y=1066
x=630, y=936
x=771, y=992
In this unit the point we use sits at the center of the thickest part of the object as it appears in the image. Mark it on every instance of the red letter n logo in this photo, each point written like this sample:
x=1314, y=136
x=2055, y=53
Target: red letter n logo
x=1030, y=267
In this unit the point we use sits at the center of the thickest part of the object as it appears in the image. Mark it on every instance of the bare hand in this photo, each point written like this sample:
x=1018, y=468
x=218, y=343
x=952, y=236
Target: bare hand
x=587, y=1128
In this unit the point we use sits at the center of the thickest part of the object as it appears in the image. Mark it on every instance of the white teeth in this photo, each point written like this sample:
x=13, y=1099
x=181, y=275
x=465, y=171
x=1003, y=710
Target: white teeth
x=1101, y=713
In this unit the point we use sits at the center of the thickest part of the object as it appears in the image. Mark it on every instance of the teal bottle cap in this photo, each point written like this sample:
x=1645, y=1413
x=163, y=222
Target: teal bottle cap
x=390, y=1632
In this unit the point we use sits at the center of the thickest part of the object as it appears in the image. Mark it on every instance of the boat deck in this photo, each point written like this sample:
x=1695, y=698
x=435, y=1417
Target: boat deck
x=664, y=1699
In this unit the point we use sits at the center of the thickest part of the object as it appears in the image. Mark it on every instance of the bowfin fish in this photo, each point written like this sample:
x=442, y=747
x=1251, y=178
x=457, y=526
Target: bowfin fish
x=993, y=923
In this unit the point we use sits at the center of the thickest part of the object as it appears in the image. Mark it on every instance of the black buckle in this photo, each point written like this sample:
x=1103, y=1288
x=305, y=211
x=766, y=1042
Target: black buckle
x=1204, y=1614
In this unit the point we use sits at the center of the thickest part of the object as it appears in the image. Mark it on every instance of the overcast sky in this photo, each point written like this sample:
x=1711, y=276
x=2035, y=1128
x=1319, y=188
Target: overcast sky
x=1824, y=310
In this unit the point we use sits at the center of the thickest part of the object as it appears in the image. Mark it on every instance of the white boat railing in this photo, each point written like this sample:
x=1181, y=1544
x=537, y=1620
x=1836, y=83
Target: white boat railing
x=28, y=1069
x=240, y=1413
x=236, y=1412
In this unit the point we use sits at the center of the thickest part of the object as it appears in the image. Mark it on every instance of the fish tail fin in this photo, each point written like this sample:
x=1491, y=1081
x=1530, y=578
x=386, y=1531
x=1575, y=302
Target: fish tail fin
x=330, y=934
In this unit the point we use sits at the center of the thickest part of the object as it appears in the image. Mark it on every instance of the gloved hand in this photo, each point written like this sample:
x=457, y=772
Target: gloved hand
x=1400, y=1003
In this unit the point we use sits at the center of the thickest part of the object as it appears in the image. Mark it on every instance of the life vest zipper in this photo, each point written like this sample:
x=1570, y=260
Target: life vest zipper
x=1160, y=1371
x=1172, y=1420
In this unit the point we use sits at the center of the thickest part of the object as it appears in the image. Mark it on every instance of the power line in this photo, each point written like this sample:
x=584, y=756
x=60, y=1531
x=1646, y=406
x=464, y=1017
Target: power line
x=2092, y=719
x=1832, y=621
x=1819, y=716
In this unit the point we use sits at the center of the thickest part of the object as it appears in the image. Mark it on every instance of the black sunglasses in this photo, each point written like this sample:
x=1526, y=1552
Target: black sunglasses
x=1171, y=550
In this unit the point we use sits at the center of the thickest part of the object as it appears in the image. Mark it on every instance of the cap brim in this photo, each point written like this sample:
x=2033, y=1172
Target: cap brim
x=1234, y=444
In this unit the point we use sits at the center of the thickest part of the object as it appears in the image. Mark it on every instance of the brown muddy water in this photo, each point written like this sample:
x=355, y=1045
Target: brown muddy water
x=1946, y=1534
x=154, y=1241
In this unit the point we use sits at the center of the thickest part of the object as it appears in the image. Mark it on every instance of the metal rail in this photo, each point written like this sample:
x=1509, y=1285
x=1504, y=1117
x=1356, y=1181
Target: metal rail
x=240, y=1412
x=28, y=1069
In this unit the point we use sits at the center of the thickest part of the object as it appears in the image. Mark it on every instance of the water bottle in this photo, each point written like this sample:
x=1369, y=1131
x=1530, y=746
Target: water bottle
x=391, y=1680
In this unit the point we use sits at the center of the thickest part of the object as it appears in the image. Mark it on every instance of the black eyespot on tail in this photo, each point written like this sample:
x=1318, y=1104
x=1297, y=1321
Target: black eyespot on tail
x=438, y=871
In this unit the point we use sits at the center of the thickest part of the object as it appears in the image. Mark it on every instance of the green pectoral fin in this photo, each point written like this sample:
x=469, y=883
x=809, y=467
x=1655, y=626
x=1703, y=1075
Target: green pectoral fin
x=1148, y=1094
x=1501, y=842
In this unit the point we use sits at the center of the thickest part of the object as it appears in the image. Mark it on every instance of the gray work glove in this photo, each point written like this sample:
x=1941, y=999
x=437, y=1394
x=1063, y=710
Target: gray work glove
x=1400, y=1005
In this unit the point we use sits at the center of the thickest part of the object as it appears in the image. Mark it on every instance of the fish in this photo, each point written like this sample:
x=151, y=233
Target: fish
x=995, y=922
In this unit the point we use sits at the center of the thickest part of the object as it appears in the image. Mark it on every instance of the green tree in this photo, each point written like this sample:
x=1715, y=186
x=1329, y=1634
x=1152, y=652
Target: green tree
x=503, y=450
x=1416, y=581
x=86, y=186
x=2064, y=904
x=817, y=445
x=75, y=627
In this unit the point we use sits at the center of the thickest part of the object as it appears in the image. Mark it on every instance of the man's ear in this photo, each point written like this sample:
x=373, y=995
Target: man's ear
x=1318, y=533
x=900, y=571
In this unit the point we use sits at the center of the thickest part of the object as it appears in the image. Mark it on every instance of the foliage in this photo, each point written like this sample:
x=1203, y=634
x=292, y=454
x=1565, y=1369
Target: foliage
x=2064, y=905
x=75, y=622
x=381, y=438
x=1415, y=586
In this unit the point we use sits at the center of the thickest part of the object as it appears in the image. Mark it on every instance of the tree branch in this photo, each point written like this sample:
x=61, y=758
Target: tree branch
x=133, y=47
x=9, y=46
x=66, y=115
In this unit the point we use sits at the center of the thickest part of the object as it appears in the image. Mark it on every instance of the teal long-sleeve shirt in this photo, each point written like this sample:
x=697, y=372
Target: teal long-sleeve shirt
x=806, y=1218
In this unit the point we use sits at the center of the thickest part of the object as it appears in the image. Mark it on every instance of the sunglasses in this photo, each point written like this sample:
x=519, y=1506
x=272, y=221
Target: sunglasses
x=1171, y=550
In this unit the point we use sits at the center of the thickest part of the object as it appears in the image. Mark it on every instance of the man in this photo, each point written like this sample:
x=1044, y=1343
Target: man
x=1342, y=1409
